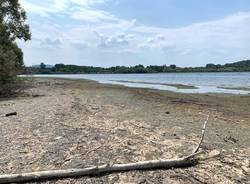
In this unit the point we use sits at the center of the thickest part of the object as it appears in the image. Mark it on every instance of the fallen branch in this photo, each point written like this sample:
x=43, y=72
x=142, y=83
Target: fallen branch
x=97, y=170
x=9, y=114
x=187, y=161
x=202, y=135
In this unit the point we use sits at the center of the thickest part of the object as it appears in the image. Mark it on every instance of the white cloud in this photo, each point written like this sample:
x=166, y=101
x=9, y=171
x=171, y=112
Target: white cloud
x=47, y=7
x=52, y=43
x=229, y=27
x=227, y=33
x=116, y=41
x=85, y=27
x=89, y=15
x=88, y=3
x=44, y=8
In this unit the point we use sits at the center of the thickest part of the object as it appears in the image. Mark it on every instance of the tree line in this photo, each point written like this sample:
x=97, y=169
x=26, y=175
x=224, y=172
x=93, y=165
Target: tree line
x=241, y=66
x=12, y=28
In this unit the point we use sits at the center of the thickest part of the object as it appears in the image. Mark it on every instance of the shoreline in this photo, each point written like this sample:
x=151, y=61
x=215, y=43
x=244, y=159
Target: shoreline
x=65, y=73
x=65, y=123
x=222, y=100
x=178, y=87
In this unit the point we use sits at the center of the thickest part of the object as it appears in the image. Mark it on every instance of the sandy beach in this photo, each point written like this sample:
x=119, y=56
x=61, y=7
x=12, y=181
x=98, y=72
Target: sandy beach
x=77, y=123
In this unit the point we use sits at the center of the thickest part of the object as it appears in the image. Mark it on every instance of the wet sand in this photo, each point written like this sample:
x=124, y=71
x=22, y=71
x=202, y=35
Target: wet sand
x=178, y=86
x=77, y=123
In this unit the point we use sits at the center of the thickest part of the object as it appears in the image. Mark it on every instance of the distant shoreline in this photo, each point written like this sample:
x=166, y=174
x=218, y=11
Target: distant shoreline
x=141, y=73
x=241, y=66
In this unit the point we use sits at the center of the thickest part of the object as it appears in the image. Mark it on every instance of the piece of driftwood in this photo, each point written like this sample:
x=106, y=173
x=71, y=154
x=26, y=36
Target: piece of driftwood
x=202, y=135
x=11, y=114
x=186, y=161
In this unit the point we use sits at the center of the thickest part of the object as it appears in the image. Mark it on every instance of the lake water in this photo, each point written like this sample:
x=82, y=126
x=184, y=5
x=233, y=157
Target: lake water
x=190, y=82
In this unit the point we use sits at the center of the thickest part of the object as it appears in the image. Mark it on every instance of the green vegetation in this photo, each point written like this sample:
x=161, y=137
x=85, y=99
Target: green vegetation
x=12, y=27
x=241, y=66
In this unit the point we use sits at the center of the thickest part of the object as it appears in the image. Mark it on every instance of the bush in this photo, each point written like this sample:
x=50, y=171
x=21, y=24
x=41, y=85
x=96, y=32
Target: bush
x=11, y=61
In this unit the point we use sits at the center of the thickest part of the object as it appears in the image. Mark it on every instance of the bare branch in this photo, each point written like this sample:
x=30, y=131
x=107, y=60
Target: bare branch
x=97, y=170
x=202, y=135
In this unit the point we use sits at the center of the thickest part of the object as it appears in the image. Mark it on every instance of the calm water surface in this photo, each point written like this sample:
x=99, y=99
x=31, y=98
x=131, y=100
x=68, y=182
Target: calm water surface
x=204, y=82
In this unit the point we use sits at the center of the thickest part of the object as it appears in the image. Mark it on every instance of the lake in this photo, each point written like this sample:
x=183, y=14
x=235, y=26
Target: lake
x=231, y=82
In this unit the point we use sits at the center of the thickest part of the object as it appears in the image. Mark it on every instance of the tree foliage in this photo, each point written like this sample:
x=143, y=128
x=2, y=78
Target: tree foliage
x=12, y=20
x=241, y=66
x=42, y=65
x=12, y=27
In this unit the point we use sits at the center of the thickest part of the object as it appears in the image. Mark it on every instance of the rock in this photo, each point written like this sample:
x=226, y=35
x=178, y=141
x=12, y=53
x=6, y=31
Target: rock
x=57, y=138
x=245, y=169
x=129, y=143
x=231, y=139
x=214, y=153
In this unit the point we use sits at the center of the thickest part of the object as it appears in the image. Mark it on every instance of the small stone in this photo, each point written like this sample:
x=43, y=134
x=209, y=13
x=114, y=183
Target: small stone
x=59, y=137
x=247, y=170
x=214, y=153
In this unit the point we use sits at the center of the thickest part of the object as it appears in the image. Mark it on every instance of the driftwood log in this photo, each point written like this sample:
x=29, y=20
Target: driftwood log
x=187, y=161
x=9, y=114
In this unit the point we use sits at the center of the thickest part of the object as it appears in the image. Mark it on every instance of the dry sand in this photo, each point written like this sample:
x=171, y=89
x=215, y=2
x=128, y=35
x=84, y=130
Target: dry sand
x=77, y=123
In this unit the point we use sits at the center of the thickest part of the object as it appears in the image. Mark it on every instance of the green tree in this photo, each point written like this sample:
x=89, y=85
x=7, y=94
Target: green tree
x=42, y=65
x=173, y=67
x=12, y=27
x=210, y=65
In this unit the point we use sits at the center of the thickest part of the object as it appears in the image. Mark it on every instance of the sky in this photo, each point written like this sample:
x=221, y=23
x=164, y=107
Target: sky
x=130, y=32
